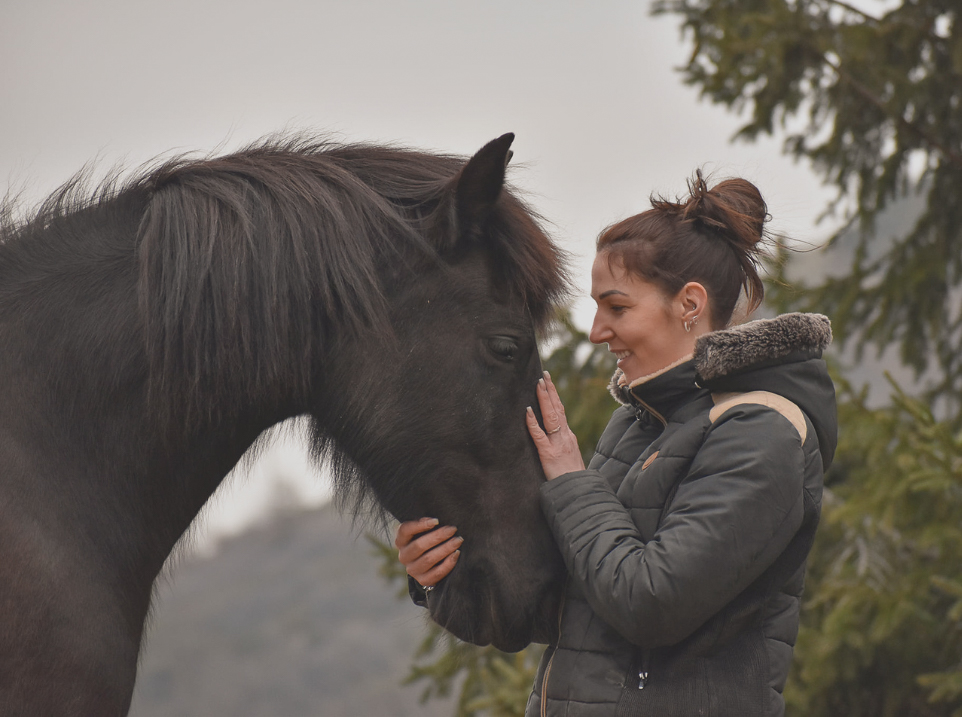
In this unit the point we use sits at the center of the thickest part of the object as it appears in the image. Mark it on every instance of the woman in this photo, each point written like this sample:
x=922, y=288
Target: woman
x=686, y=536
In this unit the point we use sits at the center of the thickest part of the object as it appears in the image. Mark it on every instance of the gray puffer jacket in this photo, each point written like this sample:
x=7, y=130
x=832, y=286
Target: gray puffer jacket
x=686, y=537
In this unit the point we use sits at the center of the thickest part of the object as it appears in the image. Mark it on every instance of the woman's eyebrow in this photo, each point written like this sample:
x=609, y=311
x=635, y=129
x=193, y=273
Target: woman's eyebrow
x=610, y=292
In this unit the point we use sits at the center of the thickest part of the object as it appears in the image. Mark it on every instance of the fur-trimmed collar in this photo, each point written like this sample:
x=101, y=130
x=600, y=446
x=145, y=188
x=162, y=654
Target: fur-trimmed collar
x=754, y=344
x=761, y=342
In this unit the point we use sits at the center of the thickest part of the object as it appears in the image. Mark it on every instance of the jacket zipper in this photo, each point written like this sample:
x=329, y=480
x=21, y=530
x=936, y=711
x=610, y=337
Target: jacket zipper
x=652, y=411
x=547, y=669
x=644, y=665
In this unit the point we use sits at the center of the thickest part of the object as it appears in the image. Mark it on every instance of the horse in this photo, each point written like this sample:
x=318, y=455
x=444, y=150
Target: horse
x=153, y=328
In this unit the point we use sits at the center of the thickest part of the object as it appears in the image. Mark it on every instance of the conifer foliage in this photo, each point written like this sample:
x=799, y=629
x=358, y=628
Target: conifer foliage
x=882, y=618
x=874, y=103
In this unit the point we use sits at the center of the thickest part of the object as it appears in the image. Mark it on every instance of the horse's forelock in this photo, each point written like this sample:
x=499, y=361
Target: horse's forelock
x=527, y=260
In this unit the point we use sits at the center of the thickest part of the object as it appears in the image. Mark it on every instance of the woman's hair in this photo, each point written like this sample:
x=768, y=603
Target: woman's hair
x=713, y=237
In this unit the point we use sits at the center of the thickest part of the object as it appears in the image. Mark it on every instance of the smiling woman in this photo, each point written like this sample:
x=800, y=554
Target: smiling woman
x=686, y=536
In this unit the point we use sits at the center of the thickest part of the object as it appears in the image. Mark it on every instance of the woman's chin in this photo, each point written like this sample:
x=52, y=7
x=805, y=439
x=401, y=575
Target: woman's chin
x=629, y=369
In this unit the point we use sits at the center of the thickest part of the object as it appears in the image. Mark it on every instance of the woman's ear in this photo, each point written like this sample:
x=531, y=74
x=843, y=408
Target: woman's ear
x=694, y=309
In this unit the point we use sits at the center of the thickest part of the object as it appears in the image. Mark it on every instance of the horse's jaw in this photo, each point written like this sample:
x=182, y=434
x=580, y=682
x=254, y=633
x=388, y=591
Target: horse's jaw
x=473, y=605
x=540, y=626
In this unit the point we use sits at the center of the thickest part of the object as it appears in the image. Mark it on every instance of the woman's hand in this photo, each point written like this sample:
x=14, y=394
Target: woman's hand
x=427, y=556
x=557, y=445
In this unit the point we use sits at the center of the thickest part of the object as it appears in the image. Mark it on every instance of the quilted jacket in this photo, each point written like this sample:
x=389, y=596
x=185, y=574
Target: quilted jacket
x=686, y=537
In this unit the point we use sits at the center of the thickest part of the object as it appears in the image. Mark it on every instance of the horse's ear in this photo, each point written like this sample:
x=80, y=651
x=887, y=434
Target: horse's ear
x=478, y=185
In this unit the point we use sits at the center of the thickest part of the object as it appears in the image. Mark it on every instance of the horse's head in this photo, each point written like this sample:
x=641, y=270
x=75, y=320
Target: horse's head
x=395, y=296
x=444, y=430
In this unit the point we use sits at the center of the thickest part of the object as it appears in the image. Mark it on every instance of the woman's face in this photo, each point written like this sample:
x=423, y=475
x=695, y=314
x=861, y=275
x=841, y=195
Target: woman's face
x=642, y=326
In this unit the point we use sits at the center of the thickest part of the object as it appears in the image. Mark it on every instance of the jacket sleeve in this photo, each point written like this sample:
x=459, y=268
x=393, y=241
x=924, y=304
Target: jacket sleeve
x=733, y=514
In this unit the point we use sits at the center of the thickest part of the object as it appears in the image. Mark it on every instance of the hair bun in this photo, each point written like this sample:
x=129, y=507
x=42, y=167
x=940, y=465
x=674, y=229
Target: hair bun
x=734, y=208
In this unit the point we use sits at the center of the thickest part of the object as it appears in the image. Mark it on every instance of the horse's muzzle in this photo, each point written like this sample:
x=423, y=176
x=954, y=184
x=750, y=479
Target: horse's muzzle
x=496, y=617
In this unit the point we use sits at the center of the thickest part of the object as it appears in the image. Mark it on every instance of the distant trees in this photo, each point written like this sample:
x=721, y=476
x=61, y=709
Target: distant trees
x=882, y=617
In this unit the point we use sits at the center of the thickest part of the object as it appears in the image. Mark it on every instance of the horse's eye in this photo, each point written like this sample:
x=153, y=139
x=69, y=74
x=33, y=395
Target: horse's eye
x=504, y=347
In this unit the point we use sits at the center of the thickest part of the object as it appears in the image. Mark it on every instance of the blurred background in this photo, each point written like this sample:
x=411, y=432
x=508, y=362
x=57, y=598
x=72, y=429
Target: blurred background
x=847, y=115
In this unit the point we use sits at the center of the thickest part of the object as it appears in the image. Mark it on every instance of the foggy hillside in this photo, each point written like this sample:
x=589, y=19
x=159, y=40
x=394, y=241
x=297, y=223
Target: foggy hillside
x=287, y=620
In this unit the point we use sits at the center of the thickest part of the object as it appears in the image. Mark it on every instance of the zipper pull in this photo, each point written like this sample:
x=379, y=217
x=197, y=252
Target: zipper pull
x=642, y=680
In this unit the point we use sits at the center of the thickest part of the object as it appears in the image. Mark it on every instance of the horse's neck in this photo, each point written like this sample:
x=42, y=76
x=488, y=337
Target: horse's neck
x=191, y=475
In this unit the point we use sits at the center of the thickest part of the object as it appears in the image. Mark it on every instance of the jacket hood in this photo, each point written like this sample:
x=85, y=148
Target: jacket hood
x=780, y=355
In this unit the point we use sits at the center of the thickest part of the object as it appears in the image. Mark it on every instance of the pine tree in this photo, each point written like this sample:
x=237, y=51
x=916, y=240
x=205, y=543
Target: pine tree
x=882, y=619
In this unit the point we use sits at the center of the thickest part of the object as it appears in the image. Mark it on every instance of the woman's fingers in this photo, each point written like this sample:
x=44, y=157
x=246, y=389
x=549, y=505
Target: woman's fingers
x=549, y=415
x=429, y=567
x=407, y=530
x=427, y=556
x=424, y=543
x=552, y=410
x=440, y=571
x=557, y=445
x=534, y=428
x=556, y=403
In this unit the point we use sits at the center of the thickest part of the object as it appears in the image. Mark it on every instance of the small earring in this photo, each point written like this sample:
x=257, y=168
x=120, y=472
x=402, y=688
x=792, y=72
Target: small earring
x=687, y=327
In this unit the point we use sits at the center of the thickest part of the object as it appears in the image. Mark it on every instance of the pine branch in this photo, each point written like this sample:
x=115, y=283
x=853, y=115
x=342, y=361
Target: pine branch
x=871, y=98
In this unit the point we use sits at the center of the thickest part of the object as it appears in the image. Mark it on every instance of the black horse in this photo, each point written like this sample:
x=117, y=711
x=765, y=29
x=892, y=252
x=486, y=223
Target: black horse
x=150, y=333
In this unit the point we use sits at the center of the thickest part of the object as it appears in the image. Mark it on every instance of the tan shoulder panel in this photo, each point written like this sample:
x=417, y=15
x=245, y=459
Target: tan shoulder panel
x=725, y=401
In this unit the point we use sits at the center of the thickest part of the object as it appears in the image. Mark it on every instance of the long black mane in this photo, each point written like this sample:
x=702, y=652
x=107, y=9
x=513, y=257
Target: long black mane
x=251, y=262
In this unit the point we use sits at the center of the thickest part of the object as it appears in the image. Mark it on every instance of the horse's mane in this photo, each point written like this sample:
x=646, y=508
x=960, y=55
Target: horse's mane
x=303, y=233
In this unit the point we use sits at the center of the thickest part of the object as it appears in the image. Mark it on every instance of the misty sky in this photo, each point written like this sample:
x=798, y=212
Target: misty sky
x=601, y=116
x=590, y=89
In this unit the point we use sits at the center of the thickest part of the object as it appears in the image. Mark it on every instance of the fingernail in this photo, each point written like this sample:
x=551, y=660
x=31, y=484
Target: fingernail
x=432, y=522
x=541, y=383
x=529, y=411
x=547, y=375
x=456, y=554
x=460, y=540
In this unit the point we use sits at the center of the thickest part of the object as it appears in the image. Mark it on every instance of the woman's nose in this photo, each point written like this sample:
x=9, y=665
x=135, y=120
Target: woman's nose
x=600, y=333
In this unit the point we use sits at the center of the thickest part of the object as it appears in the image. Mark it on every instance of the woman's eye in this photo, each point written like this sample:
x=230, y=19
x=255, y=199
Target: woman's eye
x=503, y=347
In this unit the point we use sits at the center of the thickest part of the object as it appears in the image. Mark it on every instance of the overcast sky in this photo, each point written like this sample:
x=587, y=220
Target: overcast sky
x=590, y=89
